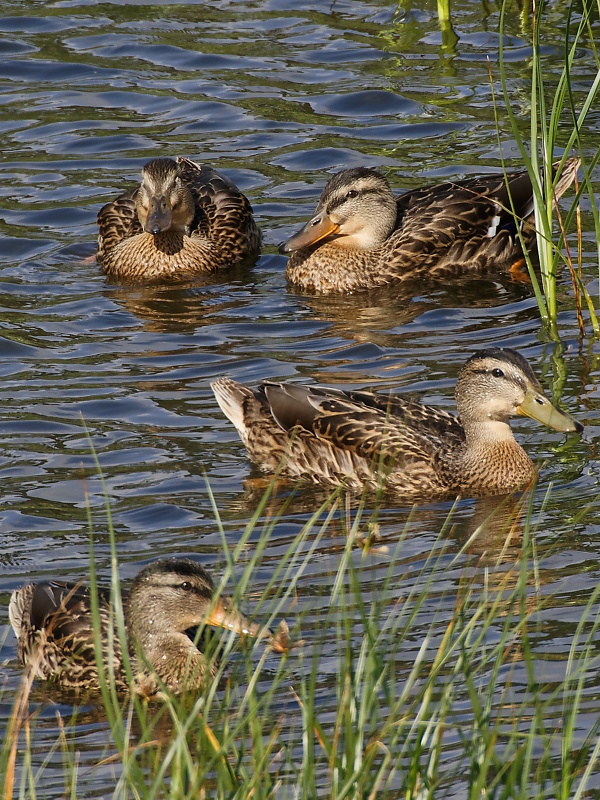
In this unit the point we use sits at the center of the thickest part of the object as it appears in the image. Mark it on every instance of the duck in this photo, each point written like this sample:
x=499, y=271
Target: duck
x=169, y=601
x=362, y=237
x=183, y=220
x=356, y=438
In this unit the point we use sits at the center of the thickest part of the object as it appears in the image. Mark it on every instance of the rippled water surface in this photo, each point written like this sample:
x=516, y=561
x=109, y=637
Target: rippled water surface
x=278, y=95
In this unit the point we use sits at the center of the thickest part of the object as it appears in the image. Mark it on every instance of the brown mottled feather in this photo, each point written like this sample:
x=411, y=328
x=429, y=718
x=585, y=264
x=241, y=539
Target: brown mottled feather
x=117, y=221
x=438, y=231
x=330, y=436
x=221, y=232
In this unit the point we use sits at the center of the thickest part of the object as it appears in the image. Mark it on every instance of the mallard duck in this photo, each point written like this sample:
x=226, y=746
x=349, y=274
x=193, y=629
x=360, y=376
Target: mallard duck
x=183, y=220
x=334, y=437
x=361, y=236
x=168, y=601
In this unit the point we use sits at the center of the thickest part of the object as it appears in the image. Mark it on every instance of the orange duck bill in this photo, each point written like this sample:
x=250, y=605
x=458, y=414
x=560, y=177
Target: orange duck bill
x=315, y=229
x=223, y=614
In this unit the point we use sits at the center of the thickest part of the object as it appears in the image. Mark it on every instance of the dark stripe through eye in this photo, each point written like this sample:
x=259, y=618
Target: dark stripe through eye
x=497, y=373
x=350, y=194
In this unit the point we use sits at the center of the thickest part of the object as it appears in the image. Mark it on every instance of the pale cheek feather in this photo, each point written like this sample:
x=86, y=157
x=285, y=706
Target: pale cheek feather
x=357, y=240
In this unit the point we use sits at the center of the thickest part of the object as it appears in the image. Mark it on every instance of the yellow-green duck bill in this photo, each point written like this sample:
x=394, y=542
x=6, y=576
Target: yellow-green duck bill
x=332, y=437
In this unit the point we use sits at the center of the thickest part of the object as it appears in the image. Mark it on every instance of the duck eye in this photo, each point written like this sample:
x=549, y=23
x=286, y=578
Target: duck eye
x=186, y=586
x=352, y=193
x=497, y=373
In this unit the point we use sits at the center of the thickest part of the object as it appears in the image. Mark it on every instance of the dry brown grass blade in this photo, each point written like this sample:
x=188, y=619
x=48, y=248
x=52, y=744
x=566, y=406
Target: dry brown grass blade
x=574, y=280
x=15, y=724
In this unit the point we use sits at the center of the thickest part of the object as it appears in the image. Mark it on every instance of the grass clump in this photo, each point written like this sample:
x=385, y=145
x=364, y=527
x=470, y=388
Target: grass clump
x=414, y=678
x=555, y=105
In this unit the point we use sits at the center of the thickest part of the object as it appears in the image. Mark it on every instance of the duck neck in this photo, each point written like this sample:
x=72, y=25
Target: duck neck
x=487, y=433
x=492, y=460
x=157, y=648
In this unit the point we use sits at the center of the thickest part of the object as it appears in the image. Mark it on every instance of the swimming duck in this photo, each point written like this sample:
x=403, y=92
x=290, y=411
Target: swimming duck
x=333, y=437
x=183, y=220
x=168, y=601
x=362, y=236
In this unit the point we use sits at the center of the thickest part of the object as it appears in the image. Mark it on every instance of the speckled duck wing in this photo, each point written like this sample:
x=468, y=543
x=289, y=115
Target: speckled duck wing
x=396, y=430
x=54, y=628
x=117, y=220
x=466, y=226
x=329, y=435
x=223, y=213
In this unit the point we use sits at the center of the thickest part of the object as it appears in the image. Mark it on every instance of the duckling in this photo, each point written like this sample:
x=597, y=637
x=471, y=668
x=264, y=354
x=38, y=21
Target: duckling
x=361, y=236
x=168, y=601
x=334, y=437
x=183, y=220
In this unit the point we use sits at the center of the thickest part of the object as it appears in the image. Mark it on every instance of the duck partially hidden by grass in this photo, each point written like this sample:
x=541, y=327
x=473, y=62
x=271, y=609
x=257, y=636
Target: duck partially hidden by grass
x=362, y=236
x=183, y=220
x=334, y=437
x=167, y=603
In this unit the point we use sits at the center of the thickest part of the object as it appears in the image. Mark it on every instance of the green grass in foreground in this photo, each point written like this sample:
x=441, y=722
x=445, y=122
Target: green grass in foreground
x=453, y=709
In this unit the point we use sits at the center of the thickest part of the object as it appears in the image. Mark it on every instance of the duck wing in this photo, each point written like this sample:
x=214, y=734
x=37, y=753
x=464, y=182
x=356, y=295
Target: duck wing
x=117, y=220
x=63, y=609
x=223, y=213
x=373, y=427
x=468, y=206
x=455, y=226
x=55, y=632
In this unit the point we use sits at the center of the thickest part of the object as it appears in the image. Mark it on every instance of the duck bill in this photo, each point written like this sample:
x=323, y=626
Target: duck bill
x=538, y=407
x=225, y=615
x=315, y=229
x=159, y=216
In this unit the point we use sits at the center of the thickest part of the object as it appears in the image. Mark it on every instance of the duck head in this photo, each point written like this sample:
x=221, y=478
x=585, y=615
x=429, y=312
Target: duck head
x=163, y=201
x=356, y=210
x=498, y=383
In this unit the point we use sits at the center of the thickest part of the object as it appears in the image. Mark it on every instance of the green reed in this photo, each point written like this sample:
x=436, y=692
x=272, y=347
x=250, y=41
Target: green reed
x=557, y=120
x=260, y=730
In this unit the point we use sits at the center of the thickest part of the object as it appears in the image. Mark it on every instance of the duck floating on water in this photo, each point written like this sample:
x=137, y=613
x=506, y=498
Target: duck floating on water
x=362, y=236
x=168, y=601
x=182, y=221
x=334, y=437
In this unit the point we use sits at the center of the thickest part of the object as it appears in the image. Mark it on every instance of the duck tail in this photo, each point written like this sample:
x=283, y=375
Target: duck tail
x=230, y=396
x=18, y=607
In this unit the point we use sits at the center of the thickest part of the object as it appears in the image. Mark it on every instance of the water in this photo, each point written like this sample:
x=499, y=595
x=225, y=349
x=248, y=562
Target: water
x=279, y=96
